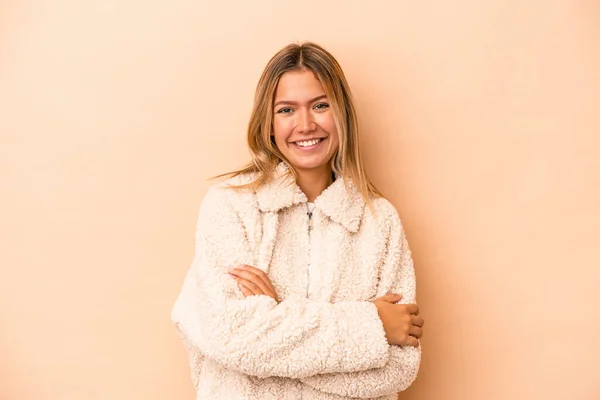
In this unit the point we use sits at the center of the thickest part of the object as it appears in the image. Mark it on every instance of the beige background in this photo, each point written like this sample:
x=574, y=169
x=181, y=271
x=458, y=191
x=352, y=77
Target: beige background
x=480, y=123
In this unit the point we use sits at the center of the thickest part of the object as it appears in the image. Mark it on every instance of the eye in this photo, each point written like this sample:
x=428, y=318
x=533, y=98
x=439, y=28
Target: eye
x=321, y=106
x=284, y=110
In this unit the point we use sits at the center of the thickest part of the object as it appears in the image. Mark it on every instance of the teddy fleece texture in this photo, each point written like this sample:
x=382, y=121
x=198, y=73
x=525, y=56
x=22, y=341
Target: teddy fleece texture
x=324, y=339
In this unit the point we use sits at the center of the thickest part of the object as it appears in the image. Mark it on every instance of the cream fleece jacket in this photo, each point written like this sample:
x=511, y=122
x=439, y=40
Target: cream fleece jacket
x=324, y=339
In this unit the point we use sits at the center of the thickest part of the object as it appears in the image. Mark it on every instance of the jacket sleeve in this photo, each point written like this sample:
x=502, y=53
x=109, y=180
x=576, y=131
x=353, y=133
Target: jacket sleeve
x=397, y=276
x=256, y=335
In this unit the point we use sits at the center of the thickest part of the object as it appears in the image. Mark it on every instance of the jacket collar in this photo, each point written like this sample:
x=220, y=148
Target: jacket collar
x=342, y=203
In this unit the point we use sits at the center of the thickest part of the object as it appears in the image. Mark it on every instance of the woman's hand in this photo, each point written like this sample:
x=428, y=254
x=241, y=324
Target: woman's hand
x=401, y=322
x=253, y=281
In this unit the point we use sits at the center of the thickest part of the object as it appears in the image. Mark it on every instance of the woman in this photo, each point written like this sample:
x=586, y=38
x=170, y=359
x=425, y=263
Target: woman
x=300, y=265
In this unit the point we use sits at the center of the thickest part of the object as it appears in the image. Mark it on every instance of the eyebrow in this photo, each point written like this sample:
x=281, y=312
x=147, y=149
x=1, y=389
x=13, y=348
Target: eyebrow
x=293, y=102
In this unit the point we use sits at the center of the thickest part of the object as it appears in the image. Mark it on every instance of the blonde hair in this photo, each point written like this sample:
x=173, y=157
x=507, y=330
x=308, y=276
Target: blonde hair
x=347, y=161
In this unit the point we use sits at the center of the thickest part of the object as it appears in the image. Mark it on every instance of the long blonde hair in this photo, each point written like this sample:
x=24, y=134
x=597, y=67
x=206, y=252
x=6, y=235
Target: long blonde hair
x=347, y=161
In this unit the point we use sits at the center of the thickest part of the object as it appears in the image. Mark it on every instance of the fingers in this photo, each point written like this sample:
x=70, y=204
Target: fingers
x=391, y=298
x=417, y=321
x=253, y=277
x=252, y=289
x=249, y=286
x=415, y=331
x=412, y=341
x=260, y=273
x=254, y=280
x=245, y=291
x=412, y=309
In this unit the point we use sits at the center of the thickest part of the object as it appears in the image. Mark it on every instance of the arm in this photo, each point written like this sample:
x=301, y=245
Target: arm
x=257, y=336
x=397, y=276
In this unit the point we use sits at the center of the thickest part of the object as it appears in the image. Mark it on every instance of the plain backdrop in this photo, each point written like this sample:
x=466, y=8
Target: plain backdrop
x=480, y=122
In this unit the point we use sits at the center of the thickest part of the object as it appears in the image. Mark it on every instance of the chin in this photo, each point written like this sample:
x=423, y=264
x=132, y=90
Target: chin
x=309, y=165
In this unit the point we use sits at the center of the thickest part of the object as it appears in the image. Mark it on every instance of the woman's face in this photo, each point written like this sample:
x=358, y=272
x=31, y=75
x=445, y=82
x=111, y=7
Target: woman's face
x=303, y=123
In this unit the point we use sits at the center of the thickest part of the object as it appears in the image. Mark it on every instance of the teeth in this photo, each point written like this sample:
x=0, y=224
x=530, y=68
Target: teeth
x=307, y=143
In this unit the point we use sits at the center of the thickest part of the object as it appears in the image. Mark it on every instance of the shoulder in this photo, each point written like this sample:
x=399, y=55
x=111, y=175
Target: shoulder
x=383, y=208
x=223, y=209
x=226, y=196
x=384, y=213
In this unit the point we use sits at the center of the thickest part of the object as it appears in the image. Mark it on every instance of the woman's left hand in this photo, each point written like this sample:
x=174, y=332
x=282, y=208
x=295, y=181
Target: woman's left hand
x=253, y=281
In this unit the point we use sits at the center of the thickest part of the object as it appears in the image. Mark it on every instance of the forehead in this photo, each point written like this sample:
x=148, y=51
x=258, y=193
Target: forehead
x=298, y=85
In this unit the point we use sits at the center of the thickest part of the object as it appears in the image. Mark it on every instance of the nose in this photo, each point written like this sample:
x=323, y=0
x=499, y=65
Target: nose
x=305, y=122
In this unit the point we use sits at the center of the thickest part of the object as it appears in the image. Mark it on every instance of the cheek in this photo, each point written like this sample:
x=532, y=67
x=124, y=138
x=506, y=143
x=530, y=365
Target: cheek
x=328, y=124
x=280, y=131
x=335, y=142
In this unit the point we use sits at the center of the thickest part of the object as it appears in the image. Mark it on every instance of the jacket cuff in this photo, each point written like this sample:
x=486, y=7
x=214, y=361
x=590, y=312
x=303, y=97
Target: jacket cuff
x=364, y=344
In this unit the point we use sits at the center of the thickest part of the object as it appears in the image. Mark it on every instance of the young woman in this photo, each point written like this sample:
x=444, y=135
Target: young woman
x=302, y=285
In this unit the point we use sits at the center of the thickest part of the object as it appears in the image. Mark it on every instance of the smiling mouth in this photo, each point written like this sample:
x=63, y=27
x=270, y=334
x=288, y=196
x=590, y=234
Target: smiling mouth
x=308, y=143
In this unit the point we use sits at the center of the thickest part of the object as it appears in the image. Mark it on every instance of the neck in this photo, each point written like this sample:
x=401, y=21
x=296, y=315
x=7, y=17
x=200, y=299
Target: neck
x=313, y=182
